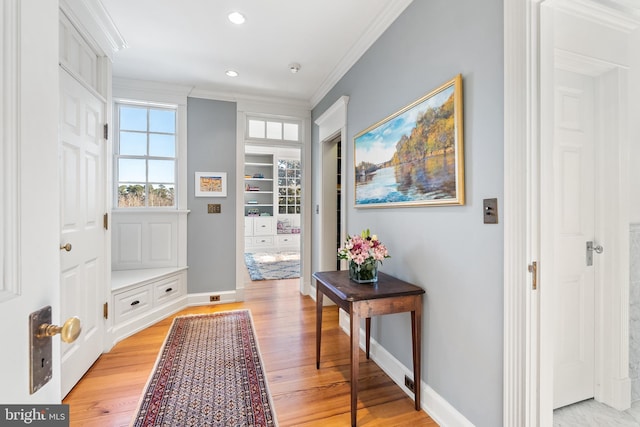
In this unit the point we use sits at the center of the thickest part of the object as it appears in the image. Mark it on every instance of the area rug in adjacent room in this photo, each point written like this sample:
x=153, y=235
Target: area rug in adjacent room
x=208, y=373
x=273, y=266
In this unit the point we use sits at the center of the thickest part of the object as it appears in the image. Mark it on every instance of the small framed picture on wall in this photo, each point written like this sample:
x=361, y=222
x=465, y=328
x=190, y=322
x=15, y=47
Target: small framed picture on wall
x=211, y=184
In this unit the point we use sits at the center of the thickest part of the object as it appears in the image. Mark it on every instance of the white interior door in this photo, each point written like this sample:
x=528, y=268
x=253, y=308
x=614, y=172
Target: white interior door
x=574, y=222
x=29, y=221
x=82, y=151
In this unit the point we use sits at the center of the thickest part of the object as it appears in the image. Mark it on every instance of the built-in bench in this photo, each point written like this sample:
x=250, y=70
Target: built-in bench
x=142, y=297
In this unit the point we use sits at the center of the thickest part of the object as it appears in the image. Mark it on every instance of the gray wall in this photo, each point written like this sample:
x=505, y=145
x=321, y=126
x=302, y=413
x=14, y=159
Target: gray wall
x=211, y=239
x=446, y=250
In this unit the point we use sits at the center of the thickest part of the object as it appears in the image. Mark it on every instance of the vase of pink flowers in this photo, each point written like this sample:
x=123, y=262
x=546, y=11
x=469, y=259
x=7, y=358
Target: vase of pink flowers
x=363, y=252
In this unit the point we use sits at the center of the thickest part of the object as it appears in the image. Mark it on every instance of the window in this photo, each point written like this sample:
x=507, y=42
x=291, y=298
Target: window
x=273, y=129
x=289, y=175
x=145, y=156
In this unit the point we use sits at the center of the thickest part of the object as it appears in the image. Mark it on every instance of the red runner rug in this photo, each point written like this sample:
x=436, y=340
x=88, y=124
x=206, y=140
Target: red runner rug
x=208, y=373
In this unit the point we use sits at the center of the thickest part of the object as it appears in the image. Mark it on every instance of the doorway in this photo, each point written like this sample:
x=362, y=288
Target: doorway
x=331, y=204
x=529, y=62
x=583, y=175
x=272, y=211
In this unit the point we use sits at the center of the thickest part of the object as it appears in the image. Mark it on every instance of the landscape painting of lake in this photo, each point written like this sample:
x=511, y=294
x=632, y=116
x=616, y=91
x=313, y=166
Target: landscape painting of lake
x=414, y=157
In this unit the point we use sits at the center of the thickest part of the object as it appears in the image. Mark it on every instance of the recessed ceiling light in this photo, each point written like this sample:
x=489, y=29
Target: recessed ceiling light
x=232, y=73
x=236, y=17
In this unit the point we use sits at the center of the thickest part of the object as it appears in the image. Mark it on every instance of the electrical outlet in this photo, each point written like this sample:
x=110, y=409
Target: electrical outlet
x=408, y=382
x=214, y=208
x=214, y=298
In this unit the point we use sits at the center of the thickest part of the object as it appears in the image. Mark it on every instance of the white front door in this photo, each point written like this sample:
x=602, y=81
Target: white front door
x=574, y=134
x=82, y=176
x=29, y=214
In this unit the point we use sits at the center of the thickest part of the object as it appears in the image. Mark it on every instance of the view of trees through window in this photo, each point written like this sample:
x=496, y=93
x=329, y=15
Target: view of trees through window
x=145, y=156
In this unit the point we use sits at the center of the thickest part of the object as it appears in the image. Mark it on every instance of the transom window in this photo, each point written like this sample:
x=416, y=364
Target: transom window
x=145, y=156
x=273, y=129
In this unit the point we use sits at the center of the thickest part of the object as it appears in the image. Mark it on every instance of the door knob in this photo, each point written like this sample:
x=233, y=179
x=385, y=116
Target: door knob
x=69, y=331
x=66, y=247
x=591, y=248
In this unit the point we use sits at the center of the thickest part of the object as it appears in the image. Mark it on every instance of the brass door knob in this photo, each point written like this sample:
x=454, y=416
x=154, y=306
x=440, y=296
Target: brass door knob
x=66, y=247
x=69, y=331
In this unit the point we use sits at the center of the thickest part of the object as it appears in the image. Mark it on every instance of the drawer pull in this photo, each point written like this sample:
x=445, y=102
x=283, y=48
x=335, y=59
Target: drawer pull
x=168, y=289
x=136, y=302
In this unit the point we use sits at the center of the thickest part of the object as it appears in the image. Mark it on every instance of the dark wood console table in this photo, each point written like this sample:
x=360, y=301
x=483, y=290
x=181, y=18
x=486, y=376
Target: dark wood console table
x=389, y=295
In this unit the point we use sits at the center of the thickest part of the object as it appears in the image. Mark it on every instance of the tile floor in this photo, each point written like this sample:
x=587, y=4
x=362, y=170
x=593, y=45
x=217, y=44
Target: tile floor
x=595, y=414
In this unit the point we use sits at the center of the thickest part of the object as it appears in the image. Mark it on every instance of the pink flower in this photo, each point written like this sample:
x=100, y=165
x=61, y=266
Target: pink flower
x=362, y=248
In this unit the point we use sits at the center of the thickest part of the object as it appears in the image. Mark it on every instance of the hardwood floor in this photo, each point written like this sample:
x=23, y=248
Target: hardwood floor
x=285, y=326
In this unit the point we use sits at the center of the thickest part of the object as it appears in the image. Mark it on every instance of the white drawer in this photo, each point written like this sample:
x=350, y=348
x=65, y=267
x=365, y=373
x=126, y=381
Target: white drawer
x=263, y=241
x=166, y=290
x=263, y=226
x=131, y=303
x=288, y=239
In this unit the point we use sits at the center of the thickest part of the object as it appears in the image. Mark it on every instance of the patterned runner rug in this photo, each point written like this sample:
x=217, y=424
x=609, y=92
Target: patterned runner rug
x=273, y=266
x=208, y=373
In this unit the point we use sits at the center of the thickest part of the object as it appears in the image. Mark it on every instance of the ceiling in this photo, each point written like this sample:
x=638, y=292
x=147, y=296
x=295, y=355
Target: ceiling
x=192, y=43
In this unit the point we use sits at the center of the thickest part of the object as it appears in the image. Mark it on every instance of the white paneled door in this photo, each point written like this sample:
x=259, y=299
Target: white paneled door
x=82, y=151
x=574, y=200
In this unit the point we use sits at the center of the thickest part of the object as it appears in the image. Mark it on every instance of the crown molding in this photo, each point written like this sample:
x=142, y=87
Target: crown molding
x=242, y=98
x=132, y=89
x=386, y=17
x=93, y=19
x=619, y=15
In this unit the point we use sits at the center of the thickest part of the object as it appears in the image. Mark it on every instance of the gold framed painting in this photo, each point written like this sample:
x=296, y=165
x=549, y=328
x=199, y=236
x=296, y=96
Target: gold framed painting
x=414, y=157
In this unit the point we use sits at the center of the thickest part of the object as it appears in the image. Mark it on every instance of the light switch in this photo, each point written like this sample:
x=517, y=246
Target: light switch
x=490, y=211
x=214, y=208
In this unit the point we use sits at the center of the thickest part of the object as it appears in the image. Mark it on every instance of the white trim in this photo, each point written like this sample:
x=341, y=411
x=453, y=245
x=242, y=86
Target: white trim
x=9, y=150
x=331, y=123
x=142, y=90
x=627, y=19
x=386, y=17
x=431, y=403
x=92, y=19
x=520, y=373
x=246, y=99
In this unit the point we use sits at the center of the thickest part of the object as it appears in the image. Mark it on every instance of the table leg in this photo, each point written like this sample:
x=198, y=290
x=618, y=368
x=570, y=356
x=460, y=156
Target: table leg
x=319, y=297
x=416, y=333
x=368, y=333
x=355, y=358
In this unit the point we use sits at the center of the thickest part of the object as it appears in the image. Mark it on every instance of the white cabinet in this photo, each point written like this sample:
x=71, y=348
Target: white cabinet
x=288, y=241
x=259, y=232
x=142, y=297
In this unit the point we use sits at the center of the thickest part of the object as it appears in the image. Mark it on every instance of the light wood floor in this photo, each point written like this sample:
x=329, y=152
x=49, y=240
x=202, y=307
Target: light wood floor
x=285, y=326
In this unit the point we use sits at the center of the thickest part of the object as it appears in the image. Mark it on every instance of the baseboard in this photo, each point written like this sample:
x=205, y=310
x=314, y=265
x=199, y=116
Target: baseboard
x=432, y=403
x=204, y=298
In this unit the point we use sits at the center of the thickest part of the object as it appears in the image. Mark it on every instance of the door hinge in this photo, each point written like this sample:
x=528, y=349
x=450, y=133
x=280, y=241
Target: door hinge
x=106, y=131
x=533, y=269
x=105, y=310
x=105, y=221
